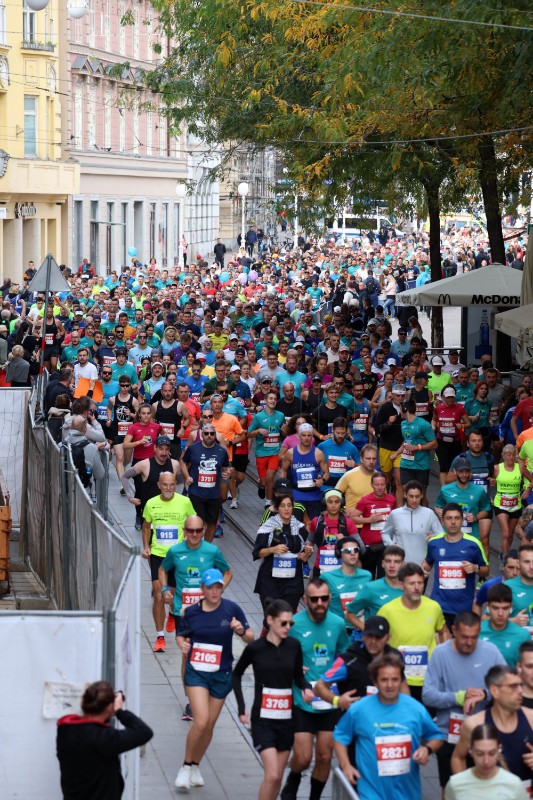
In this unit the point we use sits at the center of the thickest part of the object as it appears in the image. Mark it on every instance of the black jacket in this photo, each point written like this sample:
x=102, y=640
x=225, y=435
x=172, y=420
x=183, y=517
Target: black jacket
x=88, y=754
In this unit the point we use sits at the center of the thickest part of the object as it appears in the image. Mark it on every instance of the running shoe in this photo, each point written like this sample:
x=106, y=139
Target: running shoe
x=171, y=624
x=160, y=645
x=234, y=503
x=196, y=776
x=261, y=492
x=306, y=569
x=138, y=522
x=187, y=714
x=123, y=492
x=219, y=531
x=183, y=779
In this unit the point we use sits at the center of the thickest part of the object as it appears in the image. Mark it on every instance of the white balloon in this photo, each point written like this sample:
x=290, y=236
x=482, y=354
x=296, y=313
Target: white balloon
x=37, y=5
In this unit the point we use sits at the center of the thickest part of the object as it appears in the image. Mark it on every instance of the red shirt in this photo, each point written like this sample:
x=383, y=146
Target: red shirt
x=522, y=410
x=370, y=505
x=448, y=418
x=137, y=431
x=331, y=534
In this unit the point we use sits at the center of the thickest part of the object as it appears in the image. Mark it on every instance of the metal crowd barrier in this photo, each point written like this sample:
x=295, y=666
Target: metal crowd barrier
x=341, y=789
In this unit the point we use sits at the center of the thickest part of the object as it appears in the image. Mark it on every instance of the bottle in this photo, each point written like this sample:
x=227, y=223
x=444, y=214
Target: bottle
x=484, y=329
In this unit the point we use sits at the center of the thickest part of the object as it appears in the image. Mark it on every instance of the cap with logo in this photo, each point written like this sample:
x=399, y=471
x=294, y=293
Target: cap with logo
x=437, y=361
x=449, y=391
x=211, y=576
x=282, y=486
x=399, y=388
x=376, y=626
x=462, y=463
x=161, y=440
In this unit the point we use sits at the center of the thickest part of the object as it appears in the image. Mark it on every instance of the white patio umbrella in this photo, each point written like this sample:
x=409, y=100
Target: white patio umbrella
x=495, y=285
x=518, y=323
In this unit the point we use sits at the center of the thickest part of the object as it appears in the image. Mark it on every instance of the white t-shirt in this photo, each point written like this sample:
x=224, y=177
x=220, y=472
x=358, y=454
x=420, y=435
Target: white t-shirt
x=87, y=371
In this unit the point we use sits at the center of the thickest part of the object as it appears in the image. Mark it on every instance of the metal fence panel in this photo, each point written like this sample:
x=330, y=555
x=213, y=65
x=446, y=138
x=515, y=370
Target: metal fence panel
x=33, y=532
x=12, y=404
x=341, y=789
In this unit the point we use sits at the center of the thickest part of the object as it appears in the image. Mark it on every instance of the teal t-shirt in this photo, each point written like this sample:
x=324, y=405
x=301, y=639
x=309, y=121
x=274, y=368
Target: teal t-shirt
x=344, y=588
x=373, y=596
x=189, y=565
x=472, y=500
x=474, y=407
x=321, y=643
x=126, y=369
x=297, y=378
x=268, y=445
x=419, y=431
x=507, y=641
x=71, y=353
x=464, y=393
x=522, y=597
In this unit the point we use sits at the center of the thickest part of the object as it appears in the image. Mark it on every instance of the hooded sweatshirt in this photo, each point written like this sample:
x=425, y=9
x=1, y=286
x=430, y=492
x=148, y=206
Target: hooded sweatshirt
x=88, y=753
x=407, y=528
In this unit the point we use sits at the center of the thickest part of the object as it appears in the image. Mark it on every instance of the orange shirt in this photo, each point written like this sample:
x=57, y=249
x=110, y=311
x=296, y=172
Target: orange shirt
x=229, y=427
x=194, y=410
x=524, y=437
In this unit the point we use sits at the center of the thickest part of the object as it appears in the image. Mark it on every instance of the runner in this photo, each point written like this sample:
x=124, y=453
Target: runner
x=304, y=463
x=357, y=482
x=277, y=663
x=458, y=558
x=508, y=501
x=455, y=684
x=497, y=629
x=376, y=594
x=414, y=621
x=204, y=465
x=415, y=450
x=412, y=524
x=473, y=500
x=329, y=528
x=140, y=438
x=486, y=778
x=371, y=513
x=205, y=635
x=281, y=544
x=394, y=735
x=265, y=428
x=322, y=636
x=173, y=416
x=121, y=411
x=387, y=424
x=449, y=421
x=346, y=582
x=341, y=454
x=163, y=521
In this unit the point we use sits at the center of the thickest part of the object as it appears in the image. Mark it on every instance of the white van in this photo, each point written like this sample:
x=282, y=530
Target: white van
x=355, y=226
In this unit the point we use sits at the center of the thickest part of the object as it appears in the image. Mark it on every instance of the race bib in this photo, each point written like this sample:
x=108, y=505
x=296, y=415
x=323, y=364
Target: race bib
x=406, y=456
x=191, y=596
x=422, y=409
x=509, y=502
x=415, y=659
x=284, y=566
x=207, y=480
x=527, y=784
x=272, y=440
x=317, y=703
x=206, y=657
x=454, y=727
x=347, y=597
x=166, y=534
x=327, y=559
x=371, y=690
x=108, y=360
x=361, y=423
x=102, y=413
x=452, y=575
x=276, y=703
x=466, y=527
x=480, y=479
x=305, y=478
x=49, y=338
x=378, y=526
x=167, y=429
x=196, y=396
x=447, y=430
x=393, y=755
x=123, y=428
x=337, y=465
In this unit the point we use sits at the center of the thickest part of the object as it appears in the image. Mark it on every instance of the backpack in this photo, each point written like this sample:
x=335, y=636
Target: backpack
x=372, y=286
x=78, y=457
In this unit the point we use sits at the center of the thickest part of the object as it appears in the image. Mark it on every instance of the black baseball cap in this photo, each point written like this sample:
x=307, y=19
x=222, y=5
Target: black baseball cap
x=161, y=440
x=376, y=626
x=121, y=351
x=282, y=486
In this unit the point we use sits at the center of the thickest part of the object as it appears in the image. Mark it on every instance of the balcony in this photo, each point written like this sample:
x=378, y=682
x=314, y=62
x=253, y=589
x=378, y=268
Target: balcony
x=33, y=44
x=38, y=177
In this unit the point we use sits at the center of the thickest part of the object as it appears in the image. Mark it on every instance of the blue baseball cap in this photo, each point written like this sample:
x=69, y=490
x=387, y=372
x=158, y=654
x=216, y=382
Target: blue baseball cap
x=211, y=576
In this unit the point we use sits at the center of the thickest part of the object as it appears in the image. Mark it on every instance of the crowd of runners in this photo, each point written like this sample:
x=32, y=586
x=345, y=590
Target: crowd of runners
x=385, y=640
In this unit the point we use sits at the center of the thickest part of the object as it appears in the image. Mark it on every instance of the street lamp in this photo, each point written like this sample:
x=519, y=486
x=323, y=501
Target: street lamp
x=181, y=192
x=243, y=190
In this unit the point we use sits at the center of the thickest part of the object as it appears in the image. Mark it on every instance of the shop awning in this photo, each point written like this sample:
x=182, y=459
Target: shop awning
x=494, y=285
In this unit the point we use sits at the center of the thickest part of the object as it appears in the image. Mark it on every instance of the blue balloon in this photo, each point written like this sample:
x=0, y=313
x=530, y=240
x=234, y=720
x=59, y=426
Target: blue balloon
x=224, y=277
x=132, y=251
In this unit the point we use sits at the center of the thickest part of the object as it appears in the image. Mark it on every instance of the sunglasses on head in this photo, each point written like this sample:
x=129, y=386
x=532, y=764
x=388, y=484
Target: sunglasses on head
x=322, y=598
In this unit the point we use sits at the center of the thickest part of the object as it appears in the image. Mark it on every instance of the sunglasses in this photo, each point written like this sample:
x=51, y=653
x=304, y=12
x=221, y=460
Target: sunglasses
x=194, y=530
x=106, y=374
x=350, y=550
x=321, y=598
x=207, y=416
x=209, y=433
x=125, y=384
x=287, y=623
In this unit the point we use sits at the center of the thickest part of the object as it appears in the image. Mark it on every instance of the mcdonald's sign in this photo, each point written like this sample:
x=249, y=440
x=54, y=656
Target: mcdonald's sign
x=444, y=300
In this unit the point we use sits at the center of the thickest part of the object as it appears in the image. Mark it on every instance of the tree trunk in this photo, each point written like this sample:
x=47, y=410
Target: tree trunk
x=488, y=178
x=432, y=194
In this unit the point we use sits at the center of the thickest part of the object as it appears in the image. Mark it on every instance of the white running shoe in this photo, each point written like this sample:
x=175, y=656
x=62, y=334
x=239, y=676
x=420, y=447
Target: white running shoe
x=183, y=779
x=234, y=503
x=196, y=776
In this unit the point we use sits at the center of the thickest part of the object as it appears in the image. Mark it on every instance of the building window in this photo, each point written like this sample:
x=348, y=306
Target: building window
x=124, y=221
x=136, y=140
x=28, y=23
x=162, y=136
x=77, y=232
x=163, y=234
x=122, y=130
x=91, y=118
x=121, y=30
x=152, y=230
x=109, y=235
x=108, y=112
x=107, y=26
x=136, y=32
x=77, y=119
x=149, y=132
x=30, y=126
x=177, y=234
x=94, y=235
x=3, y=39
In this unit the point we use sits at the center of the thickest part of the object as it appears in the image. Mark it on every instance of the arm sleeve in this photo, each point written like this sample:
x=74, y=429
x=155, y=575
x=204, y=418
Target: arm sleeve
x=388, y=534
x=359, y=603
x=432, y=695
x=337, y=672
x=481, y=596
x=429, y=556
x=236, y=679
x=260, y=542
x=98, y=467
x=221, y=563
x=136, y=733
x=344, y=730
x=435, y=526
